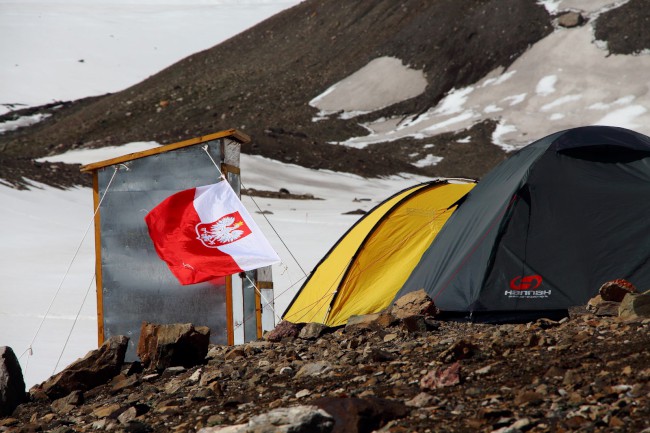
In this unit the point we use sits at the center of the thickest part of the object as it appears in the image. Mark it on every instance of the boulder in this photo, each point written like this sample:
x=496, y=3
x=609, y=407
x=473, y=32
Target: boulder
x=374, y=322
x=65, y=405
x=312, y=331
x=615, y=291
x=96, y=368
x=355, y=415
x=416, y=303
x=570, y=19
x=296, y=419
x=284, y=329
x=599, y=307
x=12, y=384
x=635, y=305
x=179, y=344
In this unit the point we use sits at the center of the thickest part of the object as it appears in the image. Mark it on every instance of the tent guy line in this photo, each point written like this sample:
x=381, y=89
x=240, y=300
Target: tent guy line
x=205, y=149
x=30, y=349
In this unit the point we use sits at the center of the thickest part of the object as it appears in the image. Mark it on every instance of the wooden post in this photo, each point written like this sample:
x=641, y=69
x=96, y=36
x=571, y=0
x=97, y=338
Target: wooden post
x=98, y=262
x=229, y=312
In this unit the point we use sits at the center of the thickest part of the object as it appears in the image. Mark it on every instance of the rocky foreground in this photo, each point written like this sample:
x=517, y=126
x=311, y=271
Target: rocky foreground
x=390, y=372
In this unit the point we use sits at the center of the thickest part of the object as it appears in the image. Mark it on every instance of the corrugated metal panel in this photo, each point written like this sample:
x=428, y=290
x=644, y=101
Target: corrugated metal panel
x=136, y=285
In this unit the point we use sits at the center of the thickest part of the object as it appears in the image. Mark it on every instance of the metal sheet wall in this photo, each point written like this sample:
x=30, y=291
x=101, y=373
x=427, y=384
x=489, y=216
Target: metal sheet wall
x=136, y=285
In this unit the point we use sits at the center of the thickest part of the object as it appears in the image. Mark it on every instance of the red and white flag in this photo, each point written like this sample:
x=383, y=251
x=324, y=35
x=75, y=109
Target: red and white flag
x=205, y=232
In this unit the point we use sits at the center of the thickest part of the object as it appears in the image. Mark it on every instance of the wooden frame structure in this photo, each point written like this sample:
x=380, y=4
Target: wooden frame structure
x=229, y=166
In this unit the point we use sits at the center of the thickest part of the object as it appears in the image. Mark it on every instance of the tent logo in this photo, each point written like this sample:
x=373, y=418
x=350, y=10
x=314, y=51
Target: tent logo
x=525, y=286
x=528, y=282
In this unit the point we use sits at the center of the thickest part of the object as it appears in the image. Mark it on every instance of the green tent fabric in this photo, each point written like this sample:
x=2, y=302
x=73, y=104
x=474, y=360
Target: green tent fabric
x=545, y=229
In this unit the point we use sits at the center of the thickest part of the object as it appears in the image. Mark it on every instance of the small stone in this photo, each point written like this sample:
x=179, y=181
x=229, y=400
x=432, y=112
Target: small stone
x=66, y=404
x=389, y=337
x=441, y=377
x=415, y=323
x=303, y=393
x=485, y=370
x=127, y=415
x=528, y=397
x=235, y=353
x=314, y=369
x=461, y=349
x=121, y=382
x=196, y=376
x=105, y=411
x=421, y=400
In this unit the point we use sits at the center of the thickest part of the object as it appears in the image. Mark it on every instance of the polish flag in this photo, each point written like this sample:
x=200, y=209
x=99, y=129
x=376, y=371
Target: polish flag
x=205, y=232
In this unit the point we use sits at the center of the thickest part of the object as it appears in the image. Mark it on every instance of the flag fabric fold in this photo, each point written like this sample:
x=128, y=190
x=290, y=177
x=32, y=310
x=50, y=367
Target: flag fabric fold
x=206, y=232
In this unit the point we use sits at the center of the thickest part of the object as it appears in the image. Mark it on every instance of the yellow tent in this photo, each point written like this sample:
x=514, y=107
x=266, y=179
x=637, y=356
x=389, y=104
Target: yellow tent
x=364, y=270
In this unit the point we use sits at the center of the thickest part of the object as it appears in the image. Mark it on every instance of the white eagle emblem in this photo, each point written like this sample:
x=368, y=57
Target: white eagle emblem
x=225, y=230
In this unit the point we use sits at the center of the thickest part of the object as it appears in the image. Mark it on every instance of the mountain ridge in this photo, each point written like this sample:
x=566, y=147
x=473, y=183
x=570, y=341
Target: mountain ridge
x=301, y=52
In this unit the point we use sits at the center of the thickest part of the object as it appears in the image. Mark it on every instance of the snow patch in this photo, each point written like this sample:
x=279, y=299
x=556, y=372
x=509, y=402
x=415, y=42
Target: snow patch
x=427, y=161
x=552, y=6
x=546, y=85
x=89, y=156
x=382, y=82
x=22, y=121
x=500, y=132
x=561, y=101
x=492, y=109
x=515, y=99
x=624, y=117
x=454, y=101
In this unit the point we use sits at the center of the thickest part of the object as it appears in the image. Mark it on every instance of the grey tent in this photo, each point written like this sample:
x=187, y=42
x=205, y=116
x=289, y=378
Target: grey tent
x=545, y=228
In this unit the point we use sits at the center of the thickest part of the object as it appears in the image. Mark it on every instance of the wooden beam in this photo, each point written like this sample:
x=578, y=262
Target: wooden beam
x=229, y=133
x=98, y=262
x=230, y=328
x=258, y=310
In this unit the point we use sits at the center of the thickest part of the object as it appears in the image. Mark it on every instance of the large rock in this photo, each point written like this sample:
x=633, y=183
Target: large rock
x=12, y=385
x=357, y=415
x=635, y=306
x=312, y=331
x=416, y=303
x=615, y=290
x=374, y=322
x=284, y=329
x=296, y=419
x=179, y=344
x=570, y=19
x=96, y=368
x=599, y=307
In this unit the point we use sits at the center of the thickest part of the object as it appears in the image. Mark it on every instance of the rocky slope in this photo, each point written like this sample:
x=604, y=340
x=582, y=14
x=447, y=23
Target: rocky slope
x=584, y=373
x=262, y=80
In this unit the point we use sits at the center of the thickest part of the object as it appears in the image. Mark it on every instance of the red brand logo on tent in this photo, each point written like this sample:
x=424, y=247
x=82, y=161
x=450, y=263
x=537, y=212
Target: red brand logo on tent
x=528, y=282
x=227, y=229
